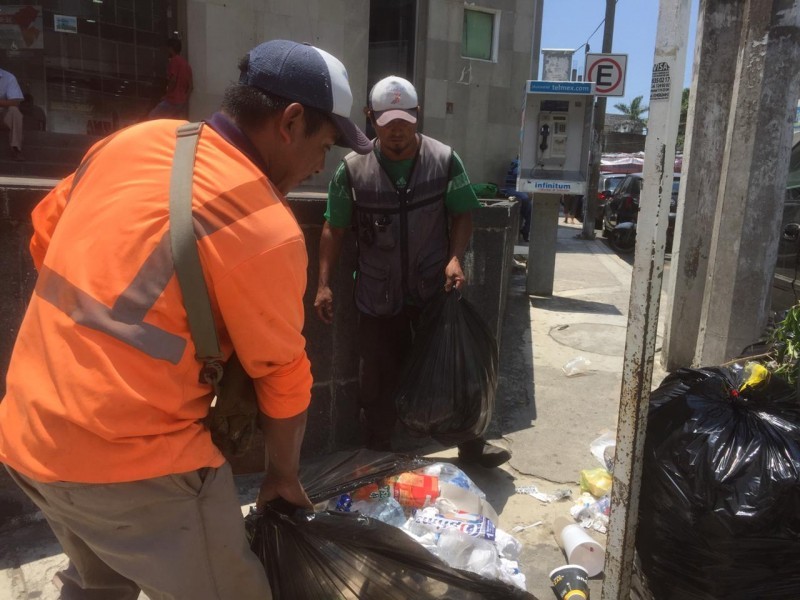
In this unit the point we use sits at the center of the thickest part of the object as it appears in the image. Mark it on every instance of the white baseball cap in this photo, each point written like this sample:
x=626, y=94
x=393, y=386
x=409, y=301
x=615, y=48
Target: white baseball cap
x=393, y=98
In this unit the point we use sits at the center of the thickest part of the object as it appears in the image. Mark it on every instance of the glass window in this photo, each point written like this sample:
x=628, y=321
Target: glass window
x=89, y=65
x=86, y=68
x=478, y=39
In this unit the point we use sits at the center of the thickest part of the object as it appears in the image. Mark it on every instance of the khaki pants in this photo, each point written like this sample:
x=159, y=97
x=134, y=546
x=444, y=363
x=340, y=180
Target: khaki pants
x=176, y=537
x=12, y=119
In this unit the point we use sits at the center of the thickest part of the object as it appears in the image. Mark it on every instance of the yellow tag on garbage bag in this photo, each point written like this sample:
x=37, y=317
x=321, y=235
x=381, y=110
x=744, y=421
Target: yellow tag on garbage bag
x=754, y=375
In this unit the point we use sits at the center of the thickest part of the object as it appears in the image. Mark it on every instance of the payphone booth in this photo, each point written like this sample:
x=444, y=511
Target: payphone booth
x=553, y=161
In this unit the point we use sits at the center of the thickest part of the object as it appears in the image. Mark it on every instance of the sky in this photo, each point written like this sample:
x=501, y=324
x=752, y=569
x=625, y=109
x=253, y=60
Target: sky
x=570, y=23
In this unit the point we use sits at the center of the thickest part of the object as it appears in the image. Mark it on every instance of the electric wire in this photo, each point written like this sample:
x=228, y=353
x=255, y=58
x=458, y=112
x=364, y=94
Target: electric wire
x=595, y=31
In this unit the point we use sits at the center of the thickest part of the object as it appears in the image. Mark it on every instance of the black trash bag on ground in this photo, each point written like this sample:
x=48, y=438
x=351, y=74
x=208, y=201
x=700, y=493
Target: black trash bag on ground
x=719, y=511
x=311, y=556
x=447, y=389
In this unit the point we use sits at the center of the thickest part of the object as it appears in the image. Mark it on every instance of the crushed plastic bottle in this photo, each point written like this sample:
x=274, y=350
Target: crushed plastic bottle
x=451, y=474
x=602, y=506
x=591, y=513
x=508, y=546
x=463, y=551
x=387, y=510
x=577, y=366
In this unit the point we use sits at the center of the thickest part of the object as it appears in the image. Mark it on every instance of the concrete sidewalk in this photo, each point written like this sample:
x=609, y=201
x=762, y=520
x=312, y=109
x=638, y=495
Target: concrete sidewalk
x=547, y=419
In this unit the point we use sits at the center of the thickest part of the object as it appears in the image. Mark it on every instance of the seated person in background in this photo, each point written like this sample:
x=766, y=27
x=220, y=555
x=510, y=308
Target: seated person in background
x=10, y=99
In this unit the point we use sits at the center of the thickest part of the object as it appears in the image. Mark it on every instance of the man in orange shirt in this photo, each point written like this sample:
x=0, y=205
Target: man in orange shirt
x=102, y=421
x=175, y=103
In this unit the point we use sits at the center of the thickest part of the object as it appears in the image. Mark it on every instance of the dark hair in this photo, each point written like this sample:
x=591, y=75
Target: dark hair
x=175, y=45
x=250, y=107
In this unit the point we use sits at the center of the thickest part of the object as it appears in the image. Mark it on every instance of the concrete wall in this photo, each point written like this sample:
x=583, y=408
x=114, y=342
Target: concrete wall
x=617, y=141
x=333, y=415
x=220, y=33
x=485, y=97
x=16, y=267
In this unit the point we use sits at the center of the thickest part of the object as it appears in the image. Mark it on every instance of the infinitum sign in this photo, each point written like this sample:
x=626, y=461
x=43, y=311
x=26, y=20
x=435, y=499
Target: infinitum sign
x=566, y=187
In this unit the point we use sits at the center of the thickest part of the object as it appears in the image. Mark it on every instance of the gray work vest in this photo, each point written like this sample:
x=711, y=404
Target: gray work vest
x=402, y=234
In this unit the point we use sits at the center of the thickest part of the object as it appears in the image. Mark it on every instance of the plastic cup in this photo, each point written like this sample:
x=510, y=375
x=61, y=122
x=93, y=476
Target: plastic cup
x=580, y=548
x=571, y=582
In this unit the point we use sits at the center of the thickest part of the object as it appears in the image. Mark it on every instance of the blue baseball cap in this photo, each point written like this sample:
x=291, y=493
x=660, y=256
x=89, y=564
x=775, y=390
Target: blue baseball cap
x=308, y=75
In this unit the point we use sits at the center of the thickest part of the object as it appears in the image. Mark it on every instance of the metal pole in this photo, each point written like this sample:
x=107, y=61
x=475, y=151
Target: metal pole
x=590, y=201
x=662, y=129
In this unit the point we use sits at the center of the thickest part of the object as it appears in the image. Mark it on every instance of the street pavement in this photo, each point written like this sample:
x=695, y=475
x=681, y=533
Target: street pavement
x=545, y=418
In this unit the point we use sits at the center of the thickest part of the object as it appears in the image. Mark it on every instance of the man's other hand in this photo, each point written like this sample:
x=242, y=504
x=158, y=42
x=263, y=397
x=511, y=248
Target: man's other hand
x=323, y=304
x=454, y=275
x=290, y=489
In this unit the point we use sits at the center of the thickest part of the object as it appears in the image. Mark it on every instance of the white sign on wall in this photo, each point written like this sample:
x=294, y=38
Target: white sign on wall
x=608, y=73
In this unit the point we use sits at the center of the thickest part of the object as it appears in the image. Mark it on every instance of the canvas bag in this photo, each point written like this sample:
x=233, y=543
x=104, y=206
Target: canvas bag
x=233, y=418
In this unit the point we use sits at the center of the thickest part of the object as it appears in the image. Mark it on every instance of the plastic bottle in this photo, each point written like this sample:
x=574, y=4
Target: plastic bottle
x=602, y=506
x=387, y=510
x=451, y=474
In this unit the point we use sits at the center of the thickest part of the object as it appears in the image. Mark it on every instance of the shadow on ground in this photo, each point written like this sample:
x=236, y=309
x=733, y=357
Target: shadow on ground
x=573, y=305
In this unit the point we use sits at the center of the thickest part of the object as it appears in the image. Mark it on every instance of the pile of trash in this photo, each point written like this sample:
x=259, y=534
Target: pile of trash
x=387, y=526
x=593, y=508
x=441, y=509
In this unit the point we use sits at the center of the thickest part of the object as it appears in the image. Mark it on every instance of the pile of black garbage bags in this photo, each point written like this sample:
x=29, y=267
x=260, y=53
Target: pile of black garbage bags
x=719, y=511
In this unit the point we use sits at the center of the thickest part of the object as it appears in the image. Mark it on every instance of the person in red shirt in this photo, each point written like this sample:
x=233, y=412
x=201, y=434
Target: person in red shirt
x=102, y=421
x=175, y=103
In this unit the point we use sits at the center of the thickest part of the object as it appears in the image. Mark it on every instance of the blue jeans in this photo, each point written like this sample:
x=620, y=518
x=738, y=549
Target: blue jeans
x=524, y=213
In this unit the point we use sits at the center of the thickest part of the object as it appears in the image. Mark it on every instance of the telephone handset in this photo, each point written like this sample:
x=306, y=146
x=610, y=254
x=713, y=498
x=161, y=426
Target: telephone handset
x=552, y=136
x=544, y=132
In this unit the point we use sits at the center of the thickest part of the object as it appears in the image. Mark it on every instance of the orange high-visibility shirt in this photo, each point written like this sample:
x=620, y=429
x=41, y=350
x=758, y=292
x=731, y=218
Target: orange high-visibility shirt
x=103, y=384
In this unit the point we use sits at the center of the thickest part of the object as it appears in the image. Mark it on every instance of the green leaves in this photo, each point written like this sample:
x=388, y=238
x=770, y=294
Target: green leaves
x=785, y=340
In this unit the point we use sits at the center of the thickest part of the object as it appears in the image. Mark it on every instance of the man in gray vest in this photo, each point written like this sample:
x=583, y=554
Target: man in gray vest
x=410, y=202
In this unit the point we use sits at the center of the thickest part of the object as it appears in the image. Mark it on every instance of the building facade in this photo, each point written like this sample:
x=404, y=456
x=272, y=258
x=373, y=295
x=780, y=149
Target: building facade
x=94, y=66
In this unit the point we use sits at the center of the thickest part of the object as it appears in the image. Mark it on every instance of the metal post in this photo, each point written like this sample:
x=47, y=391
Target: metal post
x=662, y=129
x=596, y=152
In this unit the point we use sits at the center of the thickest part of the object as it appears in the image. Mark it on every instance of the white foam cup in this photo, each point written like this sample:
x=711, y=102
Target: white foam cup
x=582, y=550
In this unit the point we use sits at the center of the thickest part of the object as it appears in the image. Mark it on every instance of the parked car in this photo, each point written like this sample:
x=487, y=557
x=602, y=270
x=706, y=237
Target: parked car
x=623, y=207
x=606, y=185
x=786, y=281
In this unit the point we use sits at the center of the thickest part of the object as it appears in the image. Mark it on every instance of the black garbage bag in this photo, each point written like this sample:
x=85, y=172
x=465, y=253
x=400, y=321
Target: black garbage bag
x=313, y=556
x=719, y=511
x=447, y=388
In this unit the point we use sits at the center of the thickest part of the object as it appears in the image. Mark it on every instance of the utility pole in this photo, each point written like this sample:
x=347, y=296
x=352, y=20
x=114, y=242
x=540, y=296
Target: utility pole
x=590, y=201
x=666, y=88
x=747, y=224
